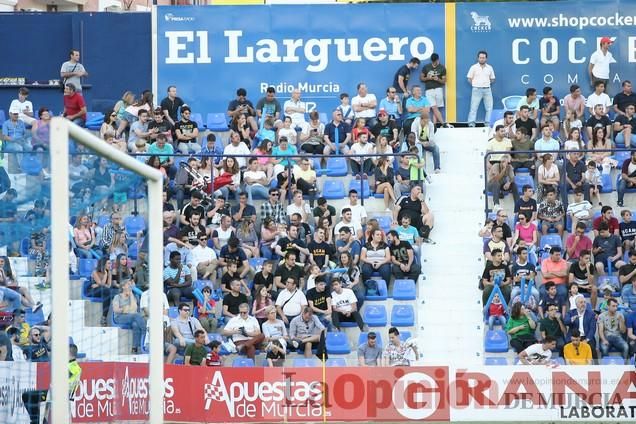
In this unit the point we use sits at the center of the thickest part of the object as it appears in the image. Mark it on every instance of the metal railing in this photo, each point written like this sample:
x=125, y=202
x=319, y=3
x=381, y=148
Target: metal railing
x=558, y=155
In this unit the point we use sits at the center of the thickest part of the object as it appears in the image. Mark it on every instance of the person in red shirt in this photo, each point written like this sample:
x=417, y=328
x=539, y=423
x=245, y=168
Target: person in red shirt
x=607, y=215
x=577, y=242
x=213, y=359
x=74, y=105
x=555, y=269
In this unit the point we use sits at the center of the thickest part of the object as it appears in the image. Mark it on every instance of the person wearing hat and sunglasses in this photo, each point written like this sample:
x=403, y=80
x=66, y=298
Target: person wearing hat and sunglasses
x=600, y=62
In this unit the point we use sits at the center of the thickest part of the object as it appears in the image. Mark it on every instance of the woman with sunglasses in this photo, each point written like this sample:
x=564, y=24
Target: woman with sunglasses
x=108, y=130
x=207, y=310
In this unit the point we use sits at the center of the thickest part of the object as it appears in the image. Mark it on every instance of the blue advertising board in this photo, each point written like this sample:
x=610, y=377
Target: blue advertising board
x=325, y=50
x=543, y=44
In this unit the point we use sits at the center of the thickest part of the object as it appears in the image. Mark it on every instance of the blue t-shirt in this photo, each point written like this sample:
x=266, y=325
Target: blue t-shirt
x=407, y=234
x=412, y=102
x=238, y=256
x=155, y=150
x=355, y=248
x=15, y=130
x=290, y=151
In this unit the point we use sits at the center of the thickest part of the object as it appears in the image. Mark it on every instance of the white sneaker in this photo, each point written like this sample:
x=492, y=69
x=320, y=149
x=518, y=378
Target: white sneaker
x=388, y=210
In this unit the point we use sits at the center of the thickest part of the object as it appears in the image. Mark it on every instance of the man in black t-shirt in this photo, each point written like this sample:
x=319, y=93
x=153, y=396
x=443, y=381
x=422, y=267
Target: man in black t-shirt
x=524, y=121
x=289, y=269
x=624, y=98
x=162, y=125
x=496, y=271
x=265, y=277
x=403, y=263
x=187, y=132
x=319, y=250
x=625, y=127
x=194, y=228
x=628, y=271
x=388, y=128
x=598, y=119
x=401, y=77
x=171, y=104
x=242, y=106
x=233, y=299
x=415, y=208
x=319, y=301
x=193, y=206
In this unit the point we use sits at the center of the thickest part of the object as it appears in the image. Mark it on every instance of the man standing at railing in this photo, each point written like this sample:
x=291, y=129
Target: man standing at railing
x=480, y=76
x=600, y=62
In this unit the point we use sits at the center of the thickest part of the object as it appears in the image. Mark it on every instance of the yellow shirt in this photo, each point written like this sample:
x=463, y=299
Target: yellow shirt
x=582, y=356
x=25, y=328
x=498, y=146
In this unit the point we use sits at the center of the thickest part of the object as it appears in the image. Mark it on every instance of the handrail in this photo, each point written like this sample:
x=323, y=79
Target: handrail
x=559, y=152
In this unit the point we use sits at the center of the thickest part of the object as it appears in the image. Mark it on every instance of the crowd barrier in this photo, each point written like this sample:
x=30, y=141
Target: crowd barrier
x=119, y=391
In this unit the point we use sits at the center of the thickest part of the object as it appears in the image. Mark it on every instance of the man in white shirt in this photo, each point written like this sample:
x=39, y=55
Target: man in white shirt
x=355, y=228
x=598, y=97
x=255, y=181
x=364, y=105
x=204, y=259
x=290, y=301
x=508, y=122
x=480, y=76
x=358, y=212
x=600, y=62
x=538, y=353
x=361, y=164
x=237, y=148
x=245, y=331
x=295, y=109
x=24, y=106
x=344, y=305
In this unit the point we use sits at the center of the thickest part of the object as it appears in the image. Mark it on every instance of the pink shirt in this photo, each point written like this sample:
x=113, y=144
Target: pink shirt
x=584, y=244
x=526, y=233
x=548, y=265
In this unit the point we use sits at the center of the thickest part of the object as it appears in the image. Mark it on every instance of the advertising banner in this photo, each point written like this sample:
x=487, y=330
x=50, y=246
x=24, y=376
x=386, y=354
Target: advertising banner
x=546, y=44
x=324, y=50
x=15, y=379
x=119, y=391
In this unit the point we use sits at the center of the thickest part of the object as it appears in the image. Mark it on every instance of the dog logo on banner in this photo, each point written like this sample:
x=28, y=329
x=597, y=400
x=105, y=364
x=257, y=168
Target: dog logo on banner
x=480, y=23
x=217, y=391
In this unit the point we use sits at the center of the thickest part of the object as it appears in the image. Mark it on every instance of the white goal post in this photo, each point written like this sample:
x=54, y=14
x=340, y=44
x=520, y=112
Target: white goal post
x=61, y=131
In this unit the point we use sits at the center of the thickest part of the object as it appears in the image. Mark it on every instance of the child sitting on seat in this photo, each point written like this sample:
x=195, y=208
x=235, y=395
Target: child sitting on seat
x=496, y=312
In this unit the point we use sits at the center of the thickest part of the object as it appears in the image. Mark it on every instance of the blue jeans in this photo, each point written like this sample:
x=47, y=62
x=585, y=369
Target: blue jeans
x=137, y=323
x=617, y=342
x=384, y=270
x=253, y=189
x=12, y=297
x=621, y=187
x=620, y=139
x=478, y=94
x=434, y=149
x=493, y=320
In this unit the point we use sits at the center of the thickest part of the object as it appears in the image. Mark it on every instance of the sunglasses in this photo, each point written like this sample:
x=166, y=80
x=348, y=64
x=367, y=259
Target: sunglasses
x=275, y=194
x=186, y=309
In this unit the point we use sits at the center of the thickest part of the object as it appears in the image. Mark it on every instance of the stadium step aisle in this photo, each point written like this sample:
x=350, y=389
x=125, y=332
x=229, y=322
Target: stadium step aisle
x=449, y=320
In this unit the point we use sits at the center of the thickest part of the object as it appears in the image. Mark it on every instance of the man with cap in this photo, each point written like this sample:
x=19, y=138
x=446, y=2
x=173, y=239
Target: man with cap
x=370, y=353
x=14, y=133
x=600, y=62
x=386, y=127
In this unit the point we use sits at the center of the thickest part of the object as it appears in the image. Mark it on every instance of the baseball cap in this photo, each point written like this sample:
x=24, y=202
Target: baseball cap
x=606, y=40
x=382, y=112
x=14, y=110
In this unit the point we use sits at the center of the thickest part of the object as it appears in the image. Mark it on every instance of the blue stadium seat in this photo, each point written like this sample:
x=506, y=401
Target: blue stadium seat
x=496, y=341
x=85, y=295
x=511, y=102
x=94, y=120
x=256, y=263
x=402, y=316
x=374, y=315
x=362, y=339
x=336, y=362
x=621, y=157
x=383, y=293
x=198, y=118
x=334, y=190
x=306, y=362
x=216, y=122
x=179, y=361
x=404, y=290
x=495, y=360
x=559, y=360
x=134, y=224
x=102, y=220
x=523, y=179
x=612, y=280
x=606, y=183
x=323, y=118
x=337, y=343
x=318, y=167
x=336, y=167
x=34, y=318
x=133, y=250
x=242, y=362
x=79, y=355
x=551, y=240
x=24, y=247
x=496, y=115
x=31, y=165
x=86, y=267
x=364, y=191
x=173, y=312
x=405, y=335
x=3, y=116
x=384, y=222
x=612, y=360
